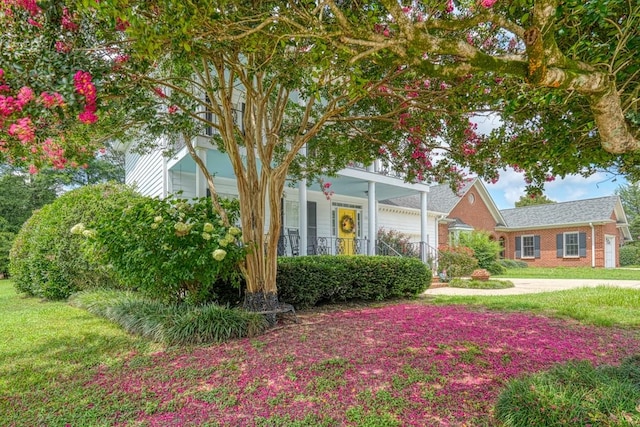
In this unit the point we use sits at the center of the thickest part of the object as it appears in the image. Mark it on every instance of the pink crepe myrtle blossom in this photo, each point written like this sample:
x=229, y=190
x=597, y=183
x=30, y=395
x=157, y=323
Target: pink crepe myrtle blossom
x=67, y=21
x=7, y=105
x=449, y=7
x=25, y=95
x=121, y=25
x=51, y=100
x=30, y=6
x=173, y=109
x=63, y=47
x=88, y=116
x=84, y=86
x=33, y=22
x=487, y=3
x=23, y=129
x=33, y=169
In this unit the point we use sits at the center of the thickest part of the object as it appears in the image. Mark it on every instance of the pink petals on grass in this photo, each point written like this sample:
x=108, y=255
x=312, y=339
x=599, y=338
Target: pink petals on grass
x=422, y=365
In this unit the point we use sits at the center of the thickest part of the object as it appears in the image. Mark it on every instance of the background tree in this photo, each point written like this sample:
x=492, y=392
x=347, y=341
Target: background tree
x=534, y=199
x=630, y=198
x=348, y=81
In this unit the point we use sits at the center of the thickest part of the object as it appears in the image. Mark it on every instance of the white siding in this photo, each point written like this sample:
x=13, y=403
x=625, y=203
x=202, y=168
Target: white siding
x=145, y=172
x=182, y=181
x=406, y=221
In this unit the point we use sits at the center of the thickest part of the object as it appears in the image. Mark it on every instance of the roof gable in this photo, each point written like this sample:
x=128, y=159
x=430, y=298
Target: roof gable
x=443, y=200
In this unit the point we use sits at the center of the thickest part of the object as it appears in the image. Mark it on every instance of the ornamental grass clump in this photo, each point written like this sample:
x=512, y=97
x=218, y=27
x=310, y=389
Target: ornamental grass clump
x=173, y=250
x=170, y=323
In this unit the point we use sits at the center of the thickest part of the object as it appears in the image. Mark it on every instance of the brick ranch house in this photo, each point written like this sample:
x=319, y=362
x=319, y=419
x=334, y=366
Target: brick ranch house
x=584, y=233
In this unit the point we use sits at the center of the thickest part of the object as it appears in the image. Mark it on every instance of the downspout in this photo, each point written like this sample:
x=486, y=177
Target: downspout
x=593, y=245
x=437, y=241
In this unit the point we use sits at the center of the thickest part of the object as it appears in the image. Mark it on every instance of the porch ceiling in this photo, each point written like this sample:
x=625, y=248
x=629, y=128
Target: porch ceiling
x=358, y=187
x=352, y=183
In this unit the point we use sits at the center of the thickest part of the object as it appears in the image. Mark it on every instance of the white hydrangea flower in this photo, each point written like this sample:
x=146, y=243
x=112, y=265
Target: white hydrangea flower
x=219, y=254
x=77, y=229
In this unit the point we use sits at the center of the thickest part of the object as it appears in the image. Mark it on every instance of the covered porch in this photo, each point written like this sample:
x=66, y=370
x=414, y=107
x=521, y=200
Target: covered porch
x=343, y=218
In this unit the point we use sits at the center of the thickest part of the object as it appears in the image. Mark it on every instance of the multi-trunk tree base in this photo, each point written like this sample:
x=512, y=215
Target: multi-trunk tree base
x=268, y=305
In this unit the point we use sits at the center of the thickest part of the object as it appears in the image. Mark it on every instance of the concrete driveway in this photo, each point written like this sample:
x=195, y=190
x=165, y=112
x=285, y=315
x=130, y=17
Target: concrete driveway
x=528, y=286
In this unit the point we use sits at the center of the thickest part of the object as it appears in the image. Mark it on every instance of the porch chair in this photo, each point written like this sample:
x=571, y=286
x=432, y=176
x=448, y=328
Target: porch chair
x=294, y=241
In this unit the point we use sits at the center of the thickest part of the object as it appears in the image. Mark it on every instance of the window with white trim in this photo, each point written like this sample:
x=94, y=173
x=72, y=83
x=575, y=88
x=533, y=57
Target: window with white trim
x=571, y=245
x=528, y=246
x=291, y=215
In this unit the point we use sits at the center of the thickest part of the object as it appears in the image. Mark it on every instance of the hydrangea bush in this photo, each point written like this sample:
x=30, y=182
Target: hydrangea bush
x=173, y=249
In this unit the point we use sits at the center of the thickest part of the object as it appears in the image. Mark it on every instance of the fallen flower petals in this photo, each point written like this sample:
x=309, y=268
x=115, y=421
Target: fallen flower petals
x=422, y=365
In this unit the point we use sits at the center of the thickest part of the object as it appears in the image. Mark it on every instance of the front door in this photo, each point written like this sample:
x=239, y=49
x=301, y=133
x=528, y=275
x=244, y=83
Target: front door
x=346, y=231
x=609, y=251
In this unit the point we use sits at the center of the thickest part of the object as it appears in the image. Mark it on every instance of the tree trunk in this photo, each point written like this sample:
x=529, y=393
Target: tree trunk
x=261, y=264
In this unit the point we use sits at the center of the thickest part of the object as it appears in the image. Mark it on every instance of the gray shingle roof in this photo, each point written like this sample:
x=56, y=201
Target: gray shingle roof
x=579, y=211
x=440, y=198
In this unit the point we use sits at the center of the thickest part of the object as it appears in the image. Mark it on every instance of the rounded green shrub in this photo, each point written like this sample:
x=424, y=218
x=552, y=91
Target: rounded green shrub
x=456, y=261
x=307, y=281
x=630, y=255
x=6, y=240
x=47, y=261
x=484, y=249
x=173, y=250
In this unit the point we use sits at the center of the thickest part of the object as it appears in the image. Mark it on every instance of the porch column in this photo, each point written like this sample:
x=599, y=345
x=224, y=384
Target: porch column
x=302, y=210
x=201, y=181
x=423, y=226
x=373, y=215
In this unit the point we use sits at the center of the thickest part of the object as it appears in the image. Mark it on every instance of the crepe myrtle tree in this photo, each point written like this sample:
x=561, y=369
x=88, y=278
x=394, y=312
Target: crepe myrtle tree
x=346, y=82
x=562, y=77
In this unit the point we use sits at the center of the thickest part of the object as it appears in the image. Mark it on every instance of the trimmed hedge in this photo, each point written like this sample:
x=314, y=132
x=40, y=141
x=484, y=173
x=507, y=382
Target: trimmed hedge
x=307, y=281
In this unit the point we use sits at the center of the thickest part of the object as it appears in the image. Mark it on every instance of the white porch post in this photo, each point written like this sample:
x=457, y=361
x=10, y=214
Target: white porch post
x=201, y=181
x=423, y=226
x=302, y=201
x=373, y=215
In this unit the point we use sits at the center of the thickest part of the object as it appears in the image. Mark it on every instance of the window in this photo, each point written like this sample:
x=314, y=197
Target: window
x=571, y=244
x=571, y=247
x=291, y=214
x=527, y=247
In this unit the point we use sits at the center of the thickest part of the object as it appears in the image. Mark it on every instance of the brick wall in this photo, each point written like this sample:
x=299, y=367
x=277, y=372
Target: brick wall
x=472, y=211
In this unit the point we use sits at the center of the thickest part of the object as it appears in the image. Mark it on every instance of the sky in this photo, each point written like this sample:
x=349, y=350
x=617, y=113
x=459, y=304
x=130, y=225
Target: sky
x=510, y=187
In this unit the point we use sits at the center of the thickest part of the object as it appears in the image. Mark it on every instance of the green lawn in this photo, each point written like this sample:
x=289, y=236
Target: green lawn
x=43, y=343
x=61, y=366
x=573, y=273
x=601, y=305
